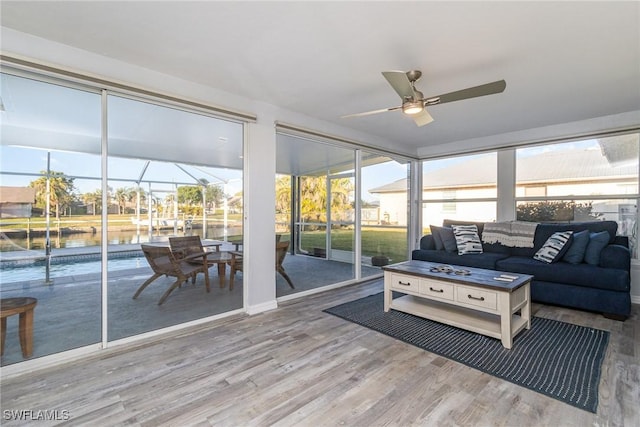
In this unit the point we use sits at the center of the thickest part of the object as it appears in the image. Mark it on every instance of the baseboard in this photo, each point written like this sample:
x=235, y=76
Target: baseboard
x=260, y=308
x=635, y=299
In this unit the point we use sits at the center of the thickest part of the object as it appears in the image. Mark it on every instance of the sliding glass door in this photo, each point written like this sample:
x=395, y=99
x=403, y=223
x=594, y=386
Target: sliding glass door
x=50, y=241
x=321, y=211
x=81, y=195
x=172, y=173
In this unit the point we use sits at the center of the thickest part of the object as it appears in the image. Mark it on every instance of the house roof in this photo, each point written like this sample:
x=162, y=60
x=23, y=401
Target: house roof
x=553, y=166
x=17, y=194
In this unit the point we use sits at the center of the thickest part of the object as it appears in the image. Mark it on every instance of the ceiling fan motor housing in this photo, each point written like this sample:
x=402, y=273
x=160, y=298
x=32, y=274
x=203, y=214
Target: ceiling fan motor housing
x=414, y=75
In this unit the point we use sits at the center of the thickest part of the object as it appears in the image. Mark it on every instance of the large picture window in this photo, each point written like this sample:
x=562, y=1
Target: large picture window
x=594, y=179
x=461, y=188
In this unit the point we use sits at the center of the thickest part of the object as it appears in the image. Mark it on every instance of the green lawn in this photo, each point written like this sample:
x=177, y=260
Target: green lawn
x=375, y=241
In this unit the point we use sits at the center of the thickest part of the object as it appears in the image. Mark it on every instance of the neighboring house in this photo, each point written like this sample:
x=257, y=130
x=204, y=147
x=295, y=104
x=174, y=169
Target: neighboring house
x=16, y=202
x=550, y=174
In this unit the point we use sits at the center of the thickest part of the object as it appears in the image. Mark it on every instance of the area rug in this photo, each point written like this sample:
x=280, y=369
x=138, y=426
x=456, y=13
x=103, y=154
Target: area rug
x=557, y=359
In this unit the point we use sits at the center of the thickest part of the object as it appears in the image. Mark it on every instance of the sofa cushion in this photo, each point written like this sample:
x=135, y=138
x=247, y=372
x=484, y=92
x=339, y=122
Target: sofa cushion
x=467, y=239
x=597, y=242
x=584, y=275
x=484, y=260
x=446, y=236
x=437, y=240
x=545, y=230
x=452, y=222
x=579, y=242
x=555, y=247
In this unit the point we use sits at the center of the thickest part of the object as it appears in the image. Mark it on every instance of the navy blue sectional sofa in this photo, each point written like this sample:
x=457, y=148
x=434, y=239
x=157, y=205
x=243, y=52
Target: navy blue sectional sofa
x=603, y=288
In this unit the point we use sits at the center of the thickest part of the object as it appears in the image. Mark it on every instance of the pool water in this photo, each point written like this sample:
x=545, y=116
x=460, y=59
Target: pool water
x=37, y=270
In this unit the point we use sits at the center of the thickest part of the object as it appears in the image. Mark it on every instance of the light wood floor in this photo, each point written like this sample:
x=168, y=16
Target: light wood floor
x=297, y=366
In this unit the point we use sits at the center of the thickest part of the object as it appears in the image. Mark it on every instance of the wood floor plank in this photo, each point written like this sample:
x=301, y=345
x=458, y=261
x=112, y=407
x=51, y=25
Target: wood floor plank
x=297, y=366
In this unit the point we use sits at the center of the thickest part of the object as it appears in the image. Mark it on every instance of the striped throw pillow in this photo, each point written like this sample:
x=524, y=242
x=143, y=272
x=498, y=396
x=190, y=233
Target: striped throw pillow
x=554, y=248
x=467, y=239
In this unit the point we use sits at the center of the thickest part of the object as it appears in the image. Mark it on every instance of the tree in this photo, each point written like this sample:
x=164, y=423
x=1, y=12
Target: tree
x=556, y=211
x=215, y=194
x=190, y=194
x=61, y=191
x=122, y=195
x=313, y=197
x=94, y=199
x=283, y=194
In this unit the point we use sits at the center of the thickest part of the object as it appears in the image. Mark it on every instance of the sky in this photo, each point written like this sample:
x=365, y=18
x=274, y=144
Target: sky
x=87, y=167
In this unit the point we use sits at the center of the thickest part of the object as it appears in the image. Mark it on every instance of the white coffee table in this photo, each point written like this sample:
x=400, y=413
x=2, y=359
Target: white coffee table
x=477, y=302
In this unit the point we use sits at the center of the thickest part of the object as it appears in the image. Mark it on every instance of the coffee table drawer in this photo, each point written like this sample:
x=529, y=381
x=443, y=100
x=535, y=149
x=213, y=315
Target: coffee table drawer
x=405, y=283
x=436, y=289
x=477, y=297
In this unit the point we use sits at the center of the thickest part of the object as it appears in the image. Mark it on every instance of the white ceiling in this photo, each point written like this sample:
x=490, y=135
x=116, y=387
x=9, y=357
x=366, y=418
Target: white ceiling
x=562, y=61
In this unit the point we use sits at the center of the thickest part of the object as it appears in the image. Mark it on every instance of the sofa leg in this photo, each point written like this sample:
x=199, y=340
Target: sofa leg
x=619, y=317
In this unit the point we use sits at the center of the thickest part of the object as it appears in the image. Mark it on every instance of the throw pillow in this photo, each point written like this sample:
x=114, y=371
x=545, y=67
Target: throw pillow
x=555, y=247
x=437, y=239
x=597, y=242
x=579, y=242
x=467, y=239
x=448, y=239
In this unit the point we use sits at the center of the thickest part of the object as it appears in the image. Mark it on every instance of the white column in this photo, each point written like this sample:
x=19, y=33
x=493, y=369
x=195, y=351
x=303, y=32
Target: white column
x=506, y=209
x=259, y=275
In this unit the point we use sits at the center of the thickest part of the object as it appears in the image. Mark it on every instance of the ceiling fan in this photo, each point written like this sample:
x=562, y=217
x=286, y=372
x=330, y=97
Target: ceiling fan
x=414, y=102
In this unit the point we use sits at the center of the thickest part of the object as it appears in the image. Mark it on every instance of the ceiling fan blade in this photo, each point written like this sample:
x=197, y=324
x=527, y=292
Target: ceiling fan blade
x=368, y=113
x=422, y=118
x=471, y=92
x=400, y=83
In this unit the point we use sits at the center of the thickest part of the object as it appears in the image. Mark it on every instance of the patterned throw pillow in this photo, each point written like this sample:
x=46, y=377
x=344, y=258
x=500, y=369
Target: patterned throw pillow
x=467, y=239
x=554, y=248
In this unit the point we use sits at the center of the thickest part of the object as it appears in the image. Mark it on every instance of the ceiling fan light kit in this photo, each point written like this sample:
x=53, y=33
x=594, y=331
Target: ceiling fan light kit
x=413, y=101
x=412, y=107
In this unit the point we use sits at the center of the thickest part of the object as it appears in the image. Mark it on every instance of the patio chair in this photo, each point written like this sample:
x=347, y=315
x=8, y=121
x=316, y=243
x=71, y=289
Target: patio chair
x=163, y=262
x=281, y=253
x=187, y=246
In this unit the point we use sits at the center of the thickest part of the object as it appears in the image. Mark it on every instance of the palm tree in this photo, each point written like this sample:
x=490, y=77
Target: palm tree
x=61, y=190
x=94, y=199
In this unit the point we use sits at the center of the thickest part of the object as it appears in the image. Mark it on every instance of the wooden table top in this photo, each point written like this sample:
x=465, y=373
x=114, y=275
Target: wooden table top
x=11, y=306
x=476, y=276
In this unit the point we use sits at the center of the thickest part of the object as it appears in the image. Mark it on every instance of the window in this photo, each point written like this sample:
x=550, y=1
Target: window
x=461, y=188
x=595, y=179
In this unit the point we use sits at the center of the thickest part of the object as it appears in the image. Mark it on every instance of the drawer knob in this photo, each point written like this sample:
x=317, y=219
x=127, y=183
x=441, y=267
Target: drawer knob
x=475, y=298
x=436, y=290
x=400, y=282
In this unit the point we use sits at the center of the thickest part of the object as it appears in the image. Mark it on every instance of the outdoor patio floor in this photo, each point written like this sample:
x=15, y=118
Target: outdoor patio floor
x=69, y=310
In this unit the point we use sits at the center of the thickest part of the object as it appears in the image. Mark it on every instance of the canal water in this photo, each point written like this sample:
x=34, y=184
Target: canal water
x=12, y=272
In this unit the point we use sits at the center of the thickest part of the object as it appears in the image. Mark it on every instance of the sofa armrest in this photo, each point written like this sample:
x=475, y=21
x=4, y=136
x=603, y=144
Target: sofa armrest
x=615, y=256
x=427, y=242
x=621, y=240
